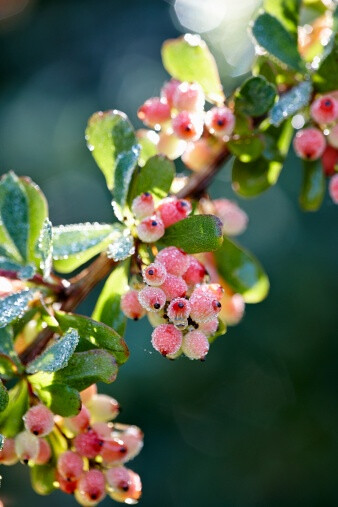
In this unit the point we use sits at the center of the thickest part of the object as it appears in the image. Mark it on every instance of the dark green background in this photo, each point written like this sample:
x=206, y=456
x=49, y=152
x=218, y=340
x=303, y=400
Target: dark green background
x=257, y=423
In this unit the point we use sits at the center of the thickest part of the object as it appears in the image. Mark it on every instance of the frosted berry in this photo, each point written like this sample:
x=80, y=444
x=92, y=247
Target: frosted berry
x=189, y=97
x=170, y=145
x=233, y=309
x=91, y=488
x=168, y=91
x=70, y=465
x=333, y=188
x=39, y=420
x=178, y=309
x=143, y=205
x=333, y=136
x=233, y=218
x=173, y=210
x=103, y=408
x=7, y=454
x=209, y=328
x=154, y=112
x=26, y=446
x=87, y=393
x=174, y=287
x=132, y=438
x=150, y=229
x=166, y=339
x=154, y=274
x=176, y=261
x=88, y=444
x=78, y=423
x=325, y=109
x=113, y=450
x=67, y=487
x=195, y=345
x=187, y=126
x=45, y=452
x=131, y=306
x=129, y=496
x=213, y=290
x=330, y=160
x=152, y=298
x=309, y=143
x=220, y=121
x=204, y=307
x=195, y=273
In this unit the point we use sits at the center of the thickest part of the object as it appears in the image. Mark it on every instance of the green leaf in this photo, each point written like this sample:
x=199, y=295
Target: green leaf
x=291, y=102
x=44, y=248
x=107, y=309
x=188, y=58
x=271, y=35
x=313, y=186
x=73, y=245
x=242, y=271
x=147, y=146
x=14, y=306
x=4, y=398
x=57, y=355
x=61, y=399
x=7, y=345
x=326, y=77
x=286, y=11
x=7, y=248
x=222, y=329
x=246, y=148
x=156, y=177
x=198, y=233
x=255, y=97
x=96, y=334
x=125, y=167
x=110, y=136
x=43, y=478
x=11, y=422
x=253, y=178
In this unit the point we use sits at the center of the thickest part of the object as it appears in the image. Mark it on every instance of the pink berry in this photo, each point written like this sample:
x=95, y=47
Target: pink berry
x=103, y=430
x=176, y=261
x=330, y=160
x=152, y=298
x=78, y=423
x=209, y=328
x=39, y=420
x=195, y=273
x=150, y=229
x=70, y=466
x=87, y=393
x=220, y=121
x=143, y=205
x=118, y=478
x=103, y=408
x=178, y=309
x=173, y=210
x=325, y=109
x=233, y=309
x=130, y=305
x=187, y=126
x=195, y=345
x=204, y=307
x=154, y=274
x=45, y=452
x=67, y=487
x=333, y=136
x=7, y=454
x=154, y=112
x=166, y=339
x=189, y=97
x=88, y=444
x=91, y=487
x=174, y=287
x=26, y=446
x=113, y=450
x=132, y=438
x=333, y=188
x=309, y=143
x=234, y=219
x=213, y=290
x=130, y=496
x=170, y=145
x=168, y=90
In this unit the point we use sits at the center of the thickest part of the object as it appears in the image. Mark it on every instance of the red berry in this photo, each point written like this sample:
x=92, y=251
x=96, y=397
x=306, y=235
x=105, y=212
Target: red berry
x=113, y=450
x=118, y=478
x=154, y=274
x=187, y=126
x=203, y=307
x=174, y=287
x=143, y=205
x=178, y=310
x=91, y=488
x=209, y=328
x=333, y=136
x=189, y=97
x=26, y=446
x=45, y=452
x=154, y=112
x=176, y=261
x=325, y=109
x=67, y=487
x=130, y=305
x=7, y=454
x=169, y=89
x=195, y=273
x=330, y=160
x=195, y=345
x=78, y=423
x=234, y=219
x=173, y=210
x=130, y=496
x=39, y=420
x=150, y=229
x=309, y=143
x=88, y=444
x=103, y=408
x=70, y=465
x=170, y=145
x=333, y=188
x=152, y=298
x=233, y=309
x=166, y=339
x=220, y=121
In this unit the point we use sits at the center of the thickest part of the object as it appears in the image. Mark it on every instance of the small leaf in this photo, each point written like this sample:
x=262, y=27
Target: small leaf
x=14, y=306
x=96, y=334
x=198, y=233
x=188, y=58
x=73, y=245
x=11, y=422
x=107, y=309
x=246, y=148
x=44, y=248
x=57, y=355
x=242, y=272
x=61, y=399
x=271, y=35
x=4, y=398
x=125, y=167
x=109, y=135
x=253, y=178
x=156, y=177
x=122, y=248
x=43, y=478
x=313, y=186
x=222, y=329
x=286, y=11
x=255, y=97
x=7, y=345
x=291, y=102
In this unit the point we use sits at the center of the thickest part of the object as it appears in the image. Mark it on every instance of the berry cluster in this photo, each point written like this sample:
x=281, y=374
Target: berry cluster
x=320, y=140
x=96, y=449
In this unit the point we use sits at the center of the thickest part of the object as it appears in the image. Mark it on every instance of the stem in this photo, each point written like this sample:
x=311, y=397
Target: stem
x=57, y=285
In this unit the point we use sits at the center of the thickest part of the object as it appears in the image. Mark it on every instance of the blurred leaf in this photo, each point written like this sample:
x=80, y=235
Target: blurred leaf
x=291, y=102
x=255, y=97
x=11, y=422
x=271, y=35
x=122, y=247
x=7, y=248
x=4, y=398
x=13, y=306
x=73, y=245
x=44, y=248
x=286, y=11
x=107, y=309
x=198, y=233
x=61, y=399
x=281, y=136
x=246, y=148
x=96, y=334
x=57, y=355
x=7, y=345
x=326, y=77
x=242, y=272
x=156, y=177
x=188, y=58
x=22, y=272
x=125, y=167
x=110, y=137
x=148, y=149
x=8, y=368
x=221, y=331
x=253, y=178
x=313, y=186
x=43, y=478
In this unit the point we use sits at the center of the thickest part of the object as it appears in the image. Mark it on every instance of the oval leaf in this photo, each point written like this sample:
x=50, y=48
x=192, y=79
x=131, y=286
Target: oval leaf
x=11, y=422
x=43, y=478
x=13, y=306
x=253, y=178
x=199, y=233
x=286, y=11
x=156, y=177
x=246, y=148
x=291, y=102
x=313, y=186
x=255, y=96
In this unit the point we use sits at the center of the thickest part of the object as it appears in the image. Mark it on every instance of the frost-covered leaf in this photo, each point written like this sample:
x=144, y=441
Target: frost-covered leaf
x=14, y=306
x=291, y=102
x=11, y=422
x=125, y=167
x=44, y=248
x=255, y=96
x=122, y=248
x=22, y=272
x=198, y=233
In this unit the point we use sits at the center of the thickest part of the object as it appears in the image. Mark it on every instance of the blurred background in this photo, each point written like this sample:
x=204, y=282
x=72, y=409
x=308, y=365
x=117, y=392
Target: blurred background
x=257, y=423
